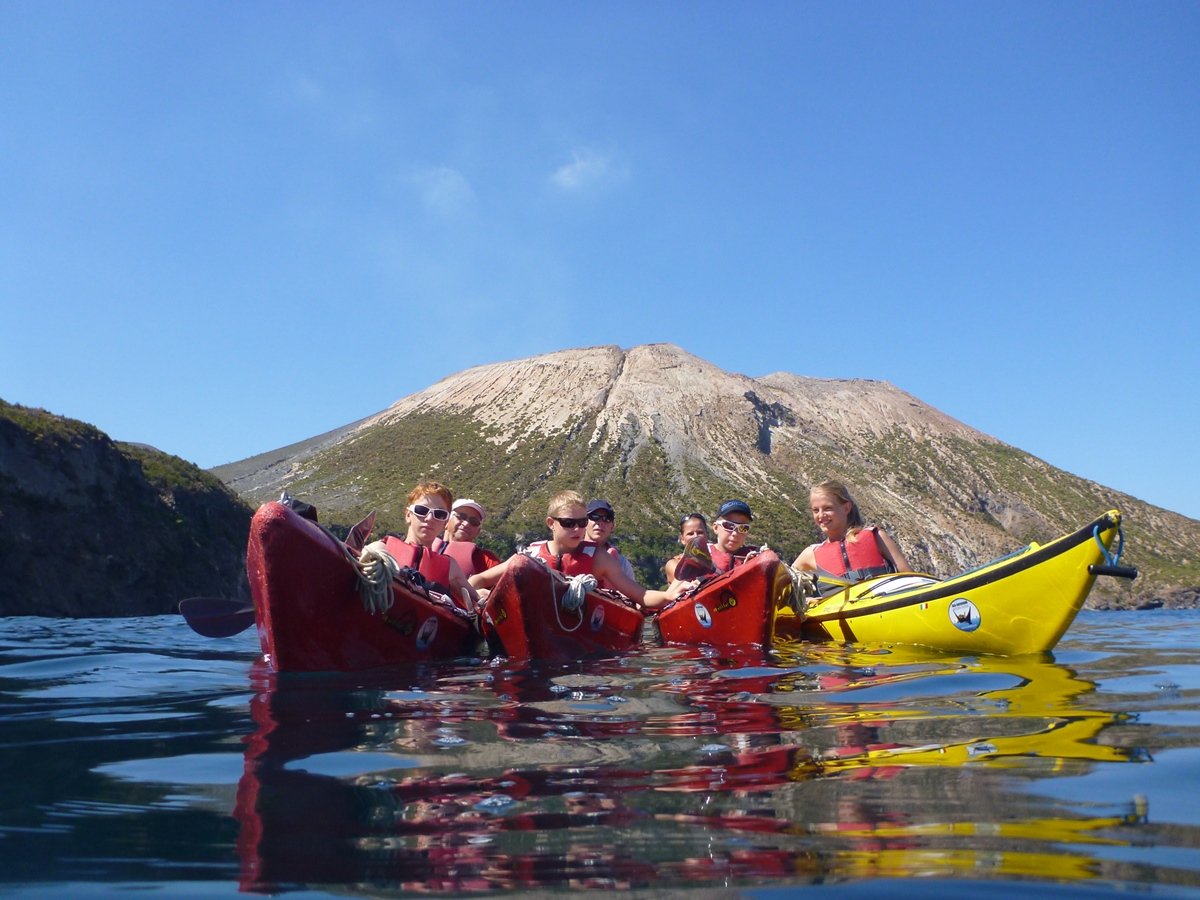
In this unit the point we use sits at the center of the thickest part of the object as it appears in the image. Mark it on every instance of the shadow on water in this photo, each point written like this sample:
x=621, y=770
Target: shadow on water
x=674, y=769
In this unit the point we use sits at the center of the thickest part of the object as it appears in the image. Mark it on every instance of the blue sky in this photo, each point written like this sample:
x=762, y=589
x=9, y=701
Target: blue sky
x=228, y=226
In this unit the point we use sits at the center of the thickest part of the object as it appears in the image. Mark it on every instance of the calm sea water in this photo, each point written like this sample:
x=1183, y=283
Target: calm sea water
x=137, y=755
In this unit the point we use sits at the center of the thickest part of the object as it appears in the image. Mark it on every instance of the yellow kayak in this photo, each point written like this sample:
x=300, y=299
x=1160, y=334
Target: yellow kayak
x=1020, y=603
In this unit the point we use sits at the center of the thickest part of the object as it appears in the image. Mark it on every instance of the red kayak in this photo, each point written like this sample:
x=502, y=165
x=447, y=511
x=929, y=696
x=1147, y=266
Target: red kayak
x=736, y=609
x=310, y=613
x=529, y=615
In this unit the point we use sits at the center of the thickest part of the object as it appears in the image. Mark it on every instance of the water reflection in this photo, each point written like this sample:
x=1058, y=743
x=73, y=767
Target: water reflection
x=675, y=768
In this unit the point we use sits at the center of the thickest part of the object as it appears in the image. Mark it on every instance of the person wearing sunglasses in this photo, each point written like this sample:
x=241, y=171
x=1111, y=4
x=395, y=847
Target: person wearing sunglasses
x=852, y=550
x=731, y=528
x=458, y=539
x=567, y=552
x=692, y=527
x=601, y=521
x=426, y=513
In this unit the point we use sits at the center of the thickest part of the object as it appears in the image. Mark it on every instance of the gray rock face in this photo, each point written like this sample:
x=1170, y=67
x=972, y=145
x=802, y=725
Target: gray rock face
x=95, y=528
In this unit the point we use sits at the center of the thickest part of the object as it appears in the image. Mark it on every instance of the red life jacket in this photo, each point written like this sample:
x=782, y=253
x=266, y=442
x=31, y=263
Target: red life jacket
x=434, y=567
x=855, y=560
x=576, y=562
x=471, y=558
x=726, y=561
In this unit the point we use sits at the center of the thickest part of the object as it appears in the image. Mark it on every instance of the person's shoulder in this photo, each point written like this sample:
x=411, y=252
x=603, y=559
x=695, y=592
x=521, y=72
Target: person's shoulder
x=601, y=561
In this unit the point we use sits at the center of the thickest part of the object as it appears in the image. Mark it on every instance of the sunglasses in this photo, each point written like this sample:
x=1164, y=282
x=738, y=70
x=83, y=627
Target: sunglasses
x=732, y=527
x=602, y=517
x=470, y=520
x=423, y=512
x=571, y=523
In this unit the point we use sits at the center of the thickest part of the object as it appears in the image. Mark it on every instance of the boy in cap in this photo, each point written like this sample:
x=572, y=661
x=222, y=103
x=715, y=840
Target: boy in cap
x=731, y=527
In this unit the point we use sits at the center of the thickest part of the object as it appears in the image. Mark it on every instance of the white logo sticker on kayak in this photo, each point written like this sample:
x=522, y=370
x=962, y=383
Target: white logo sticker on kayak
x=427, y=633
x=703, y=616
x=964, y=614
x=597, y=617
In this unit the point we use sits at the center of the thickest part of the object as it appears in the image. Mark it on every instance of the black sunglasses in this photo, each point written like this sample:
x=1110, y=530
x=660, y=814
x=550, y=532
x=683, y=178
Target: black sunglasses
x=571, y=523
x=422, y=512
x=602, y=517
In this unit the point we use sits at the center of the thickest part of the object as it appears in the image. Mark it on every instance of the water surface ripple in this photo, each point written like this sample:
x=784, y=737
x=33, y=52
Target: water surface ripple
x=140, y=755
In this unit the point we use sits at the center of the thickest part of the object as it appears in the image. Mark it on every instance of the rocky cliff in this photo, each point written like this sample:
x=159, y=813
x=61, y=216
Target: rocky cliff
x=91, y=527
x=660, y=432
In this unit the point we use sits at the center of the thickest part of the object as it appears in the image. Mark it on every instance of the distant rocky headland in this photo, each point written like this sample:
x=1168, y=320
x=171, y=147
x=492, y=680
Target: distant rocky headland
x=93, y=527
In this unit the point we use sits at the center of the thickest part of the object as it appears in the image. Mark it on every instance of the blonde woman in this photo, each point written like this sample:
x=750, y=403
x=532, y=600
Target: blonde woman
x=851, y=551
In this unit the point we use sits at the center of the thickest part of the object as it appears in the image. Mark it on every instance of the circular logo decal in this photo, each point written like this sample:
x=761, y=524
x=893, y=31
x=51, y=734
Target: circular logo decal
x=964, y=615
x=427, y=633
x=703, y=616
x=597, y=619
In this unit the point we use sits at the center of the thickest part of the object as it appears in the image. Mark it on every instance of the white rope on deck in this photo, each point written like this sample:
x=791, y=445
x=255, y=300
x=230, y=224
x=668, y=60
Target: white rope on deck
x=376, y=568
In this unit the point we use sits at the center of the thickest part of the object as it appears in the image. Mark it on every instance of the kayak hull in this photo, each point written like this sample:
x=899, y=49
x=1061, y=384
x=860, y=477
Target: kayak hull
x=735, y=609
x=524, y=617
x=309, y=613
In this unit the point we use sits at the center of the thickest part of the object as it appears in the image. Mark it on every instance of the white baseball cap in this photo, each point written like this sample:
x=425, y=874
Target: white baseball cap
x=471, y=503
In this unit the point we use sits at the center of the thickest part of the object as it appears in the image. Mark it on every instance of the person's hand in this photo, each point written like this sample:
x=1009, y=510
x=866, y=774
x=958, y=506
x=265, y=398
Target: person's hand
x=681, y=587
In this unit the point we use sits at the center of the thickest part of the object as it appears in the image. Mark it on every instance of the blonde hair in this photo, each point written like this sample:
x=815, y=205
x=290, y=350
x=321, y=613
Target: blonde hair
x=837, y=490
x=430, y=489
x=563, y=500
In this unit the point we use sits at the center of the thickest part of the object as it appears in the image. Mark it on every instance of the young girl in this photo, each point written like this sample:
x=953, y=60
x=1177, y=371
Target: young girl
x=693, y=525
x=850, y=551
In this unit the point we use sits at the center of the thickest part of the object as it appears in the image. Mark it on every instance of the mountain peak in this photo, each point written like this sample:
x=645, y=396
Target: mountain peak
x=660, y=431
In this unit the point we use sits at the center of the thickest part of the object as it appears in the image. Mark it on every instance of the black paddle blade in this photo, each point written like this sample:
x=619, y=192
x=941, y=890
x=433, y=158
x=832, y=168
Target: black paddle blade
x=216, y=617
x=696, y=561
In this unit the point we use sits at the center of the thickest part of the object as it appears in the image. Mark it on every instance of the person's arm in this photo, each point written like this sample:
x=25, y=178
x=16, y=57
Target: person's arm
x=655, y=599
x=486, y=580
x=604, y=566
x=807, y=560
x=669, y=567
x=892, y=551
x=459, y=584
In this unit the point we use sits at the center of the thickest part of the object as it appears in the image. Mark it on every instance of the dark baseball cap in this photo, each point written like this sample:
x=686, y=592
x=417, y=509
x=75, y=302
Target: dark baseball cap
x=732, y=506
x=599, y=504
